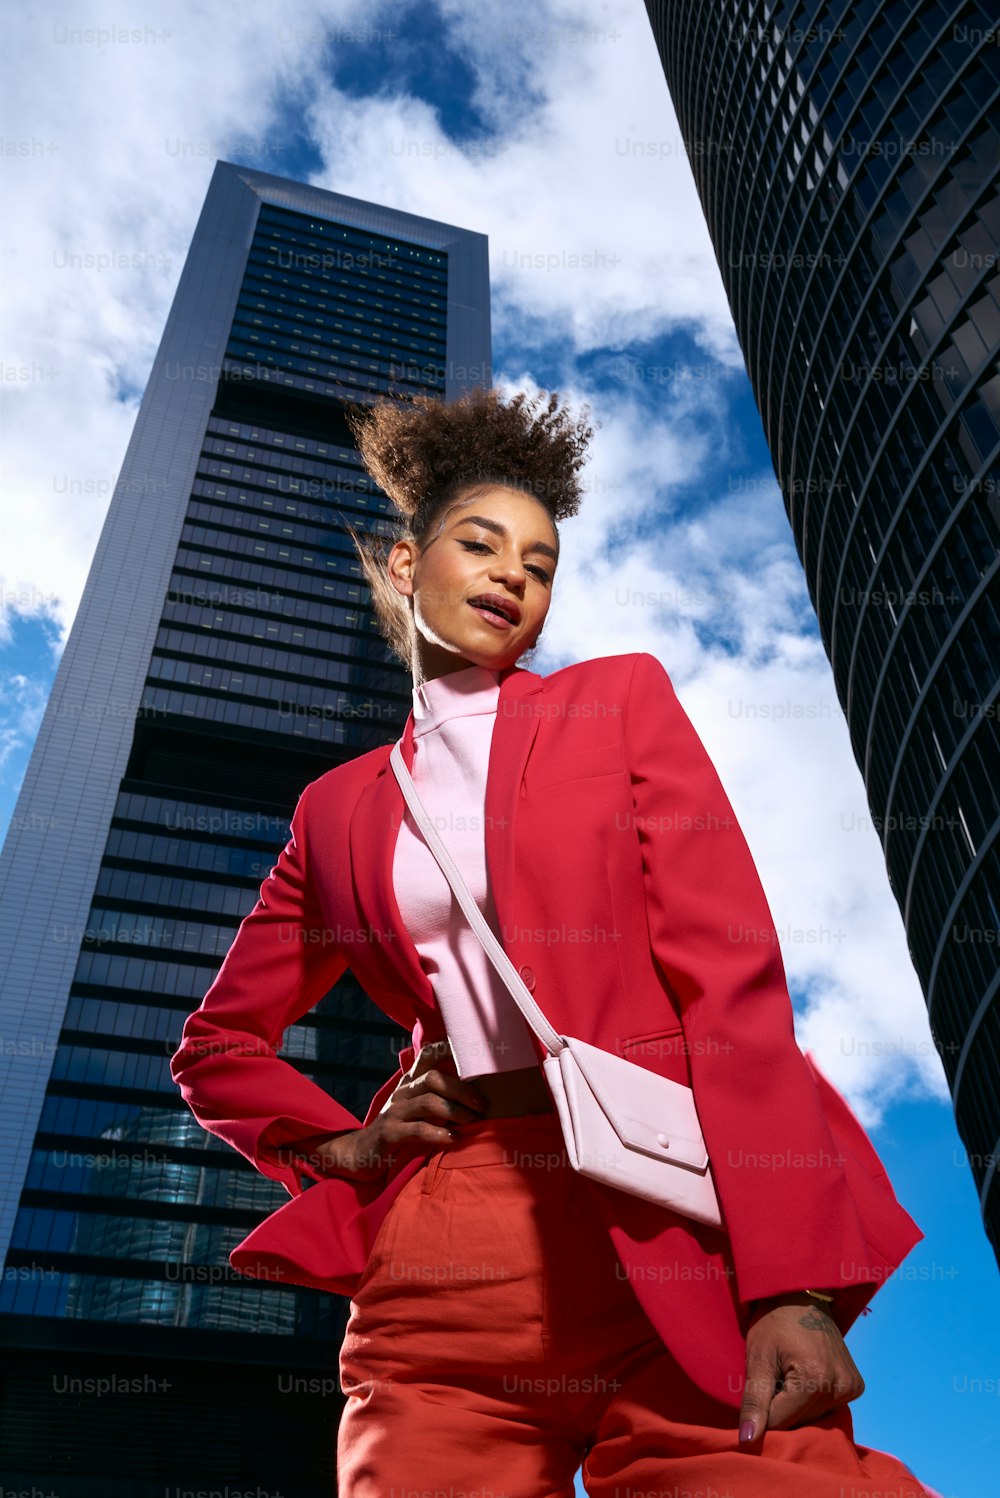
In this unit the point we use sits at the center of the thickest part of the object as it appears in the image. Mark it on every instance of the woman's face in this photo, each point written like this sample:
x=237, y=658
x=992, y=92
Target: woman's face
x=494, y=541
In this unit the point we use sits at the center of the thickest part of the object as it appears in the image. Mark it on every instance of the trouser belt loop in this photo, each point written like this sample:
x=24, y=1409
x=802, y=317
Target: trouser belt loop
x=431, y=1172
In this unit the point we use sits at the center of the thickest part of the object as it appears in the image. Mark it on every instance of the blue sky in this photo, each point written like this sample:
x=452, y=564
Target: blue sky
x=549, y=128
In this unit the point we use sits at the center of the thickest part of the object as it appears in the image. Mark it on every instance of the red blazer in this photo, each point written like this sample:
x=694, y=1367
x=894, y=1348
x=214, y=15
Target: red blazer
x=629, y=902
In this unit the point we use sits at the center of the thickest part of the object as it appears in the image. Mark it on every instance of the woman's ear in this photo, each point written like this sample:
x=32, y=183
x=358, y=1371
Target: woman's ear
x=399, y=568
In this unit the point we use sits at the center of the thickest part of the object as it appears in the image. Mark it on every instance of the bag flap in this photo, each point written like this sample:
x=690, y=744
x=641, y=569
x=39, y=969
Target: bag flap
x=640, y=1105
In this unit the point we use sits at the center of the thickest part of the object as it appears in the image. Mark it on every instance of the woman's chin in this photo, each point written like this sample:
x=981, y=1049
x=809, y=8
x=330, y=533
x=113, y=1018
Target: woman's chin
x=494, y=654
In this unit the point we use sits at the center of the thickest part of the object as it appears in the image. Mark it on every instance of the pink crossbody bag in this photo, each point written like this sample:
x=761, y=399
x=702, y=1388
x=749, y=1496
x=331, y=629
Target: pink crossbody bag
x=623, y=1125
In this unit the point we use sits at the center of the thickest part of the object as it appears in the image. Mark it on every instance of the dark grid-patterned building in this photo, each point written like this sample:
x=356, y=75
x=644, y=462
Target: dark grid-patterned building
x=224, y=655
x=847, y=156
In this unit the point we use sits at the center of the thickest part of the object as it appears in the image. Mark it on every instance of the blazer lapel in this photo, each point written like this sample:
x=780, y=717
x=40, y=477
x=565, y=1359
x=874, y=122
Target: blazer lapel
x=378, y=814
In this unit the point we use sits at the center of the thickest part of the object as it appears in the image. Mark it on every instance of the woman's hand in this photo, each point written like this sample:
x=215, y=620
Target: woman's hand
x=426, y=1103
x=798, y=1367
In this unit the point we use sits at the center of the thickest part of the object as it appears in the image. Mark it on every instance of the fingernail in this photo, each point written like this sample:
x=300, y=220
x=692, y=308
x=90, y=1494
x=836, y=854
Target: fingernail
x=747, y=1430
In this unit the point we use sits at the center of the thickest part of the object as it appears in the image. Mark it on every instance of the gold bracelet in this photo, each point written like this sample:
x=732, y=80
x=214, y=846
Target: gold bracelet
x=820, y=1295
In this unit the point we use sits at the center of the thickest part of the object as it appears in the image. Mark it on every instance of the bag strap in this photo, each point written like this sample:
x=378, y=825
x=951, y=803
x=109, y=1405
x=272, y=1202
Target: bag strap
x=494, y=951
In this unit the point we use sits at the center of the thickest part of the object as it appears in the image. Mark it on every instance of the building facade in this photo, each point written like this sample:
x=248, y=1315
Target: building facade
x=847, y=156
x=224, y=654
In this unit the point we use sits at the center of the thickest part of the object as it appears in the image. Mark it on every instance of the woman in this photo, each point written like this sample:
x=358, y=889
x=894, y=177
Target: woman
x=510, y=1318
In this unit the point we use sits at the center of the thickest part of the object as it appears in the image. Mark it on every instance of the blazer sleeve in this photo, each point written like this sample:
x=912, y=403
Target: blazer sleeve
x=281, y=963
x=789, y=1211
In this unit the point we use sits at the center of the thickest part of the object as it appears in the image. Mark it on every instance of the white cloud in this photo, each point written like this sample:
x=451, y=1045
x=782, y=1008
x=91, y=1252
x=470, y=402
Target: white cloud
x=22, y=704
x=596, y=232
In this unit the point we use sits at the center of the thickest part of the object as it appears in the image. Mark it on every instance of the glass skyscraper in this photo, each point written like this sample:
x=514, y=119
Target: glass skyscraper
x=847, y=156
x=224, y=655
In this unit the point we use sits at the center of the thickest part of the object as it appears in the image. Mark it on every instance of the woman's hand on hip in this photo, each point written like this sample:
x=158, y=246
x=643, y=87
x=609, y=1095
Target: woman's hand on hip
x=422, y=1110
x=797, y=1367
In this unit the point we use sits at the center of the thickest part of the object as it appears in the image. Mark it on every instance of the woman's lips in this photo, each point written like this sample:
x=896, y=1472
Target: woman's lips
x=497, y=620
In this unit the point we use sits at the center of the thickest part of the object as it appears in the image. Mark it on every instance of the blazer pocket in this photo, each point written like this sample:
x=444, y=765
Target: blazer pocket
x=580, y=764
x=655, y=1042
x=660, y=1051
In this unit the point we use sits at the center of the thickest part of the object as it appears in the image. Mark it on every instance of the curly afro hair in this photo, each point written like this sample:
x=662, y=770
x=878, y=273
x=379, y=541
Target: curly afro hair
x=427, y=454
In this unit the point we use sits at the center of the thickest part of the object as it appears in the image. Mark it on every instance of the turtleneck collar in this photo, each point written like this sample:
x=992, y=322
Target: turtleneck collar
x=459, y=694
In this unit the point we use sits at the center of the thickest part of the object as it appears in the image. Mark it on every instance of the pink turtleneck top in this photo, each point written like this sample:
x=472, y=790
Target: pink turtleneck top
x=453, y=721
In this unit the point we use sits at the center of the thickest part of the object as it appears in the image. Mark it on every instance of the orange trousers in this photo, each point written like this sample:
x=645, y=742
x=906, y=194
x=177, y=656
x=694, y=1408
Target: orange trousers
x=494, y=1345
